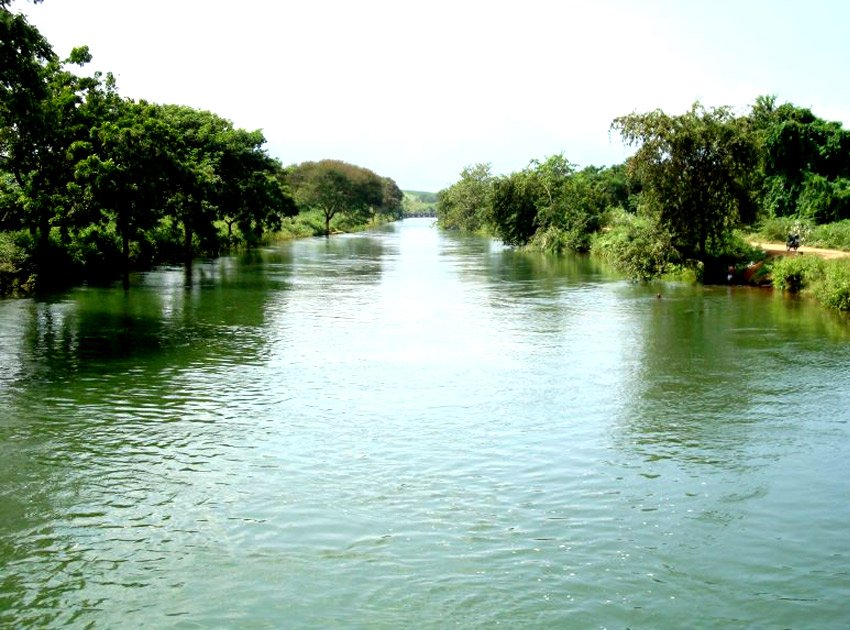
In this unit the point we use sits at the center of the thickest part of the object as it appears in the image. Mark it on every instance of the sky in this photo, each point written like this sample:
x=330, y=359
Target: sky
x=416, y=90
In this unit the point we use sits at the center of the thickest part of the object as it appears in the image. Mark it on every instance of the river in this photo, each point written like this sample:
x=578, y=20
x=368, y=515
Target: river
x=409, y=428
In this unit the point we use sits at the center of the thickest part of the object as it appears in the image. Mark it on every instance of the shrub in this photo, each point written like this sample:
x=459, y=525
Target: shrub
x=15, y=273
x=306, y=223
x=795, y=273
x=736, y=248
x=636, y=246
x=777, y=229
x=833, y=287
x=832, y=235
x=559, y=240
x=95, y=249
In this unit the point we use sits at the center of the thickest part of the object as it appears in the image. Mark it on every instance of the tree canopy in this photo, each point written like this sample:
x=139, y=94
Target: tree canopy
x=92, y=182
x=335, y=188
x=465, y=205
x=694, y=169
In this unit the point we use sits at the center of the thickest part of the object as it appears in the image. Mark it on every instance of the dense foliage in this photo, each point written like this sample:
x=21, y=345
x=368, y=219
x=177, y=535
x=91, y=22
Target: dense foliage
x=549, y=205
x=694, y=169
x=676, y=205
x=465, y=205
x=419, y=204
x=804, y=163
x=334, y=187
x=92, y=182
x=637, y=245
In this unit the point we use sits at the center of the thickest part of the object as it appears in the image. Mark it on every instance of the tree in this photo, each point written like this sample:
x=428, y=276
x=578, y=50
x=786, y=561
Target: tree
x=392, y=199
x=196, y=141
x=802, y=158
x=23, y=54
x=549, y=205
x=253, y=193
x=694, y=170
x=334, y=187
x=123, y=171
x=38, y=134
x=90, y=174
x=515, y=206
x=466, y=204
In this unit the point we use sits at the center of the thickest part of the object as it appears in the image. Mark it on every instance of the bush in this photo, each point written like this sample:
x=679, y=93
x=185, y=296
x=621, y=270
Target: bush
x=795, y=273
x=95, y=250
x=304, y=224
x=557, y=240
x=777, y=229
x=736, y=247
x=16, y=275
x=636, y=246
x=831, y=235
x=833, y=288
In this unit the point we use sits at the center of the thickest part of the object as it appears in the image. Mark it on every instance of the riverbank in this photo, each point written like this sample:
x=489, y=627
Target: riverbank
x=821, y=273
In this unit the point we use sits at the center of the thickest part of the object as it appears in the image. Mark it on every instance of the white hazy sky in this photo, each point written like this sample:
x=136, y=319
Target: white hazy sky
x=418, y=89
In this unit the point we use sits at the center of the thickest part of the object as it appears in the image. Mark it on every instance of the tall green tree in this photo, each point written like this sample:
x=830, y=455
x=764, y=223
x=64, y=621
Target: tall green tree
x=694, y=169
x=194, y=151
x=804, y=162
x=515, y=202
x=253, y=194
x=392, y=199
x=24, y=53
x=42, y=115
x=94, y=177
x=122, y=172
x=467, y=204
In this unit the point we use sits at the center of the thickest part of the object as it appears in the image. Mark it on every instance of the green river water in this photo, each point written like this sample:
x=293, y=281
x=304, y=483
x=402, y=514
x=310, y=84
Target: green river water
x=408, y=428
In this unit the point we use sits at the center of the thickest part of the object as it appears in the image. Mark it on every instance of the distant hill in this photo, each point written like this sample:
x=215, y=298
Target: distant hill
x=417, y=203
x=427, y=197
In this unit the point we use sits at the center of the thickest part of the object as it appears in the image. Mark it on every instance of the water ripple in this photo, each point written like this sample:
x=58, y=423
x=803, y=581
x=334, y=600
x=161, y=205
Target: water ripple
x=405, y=428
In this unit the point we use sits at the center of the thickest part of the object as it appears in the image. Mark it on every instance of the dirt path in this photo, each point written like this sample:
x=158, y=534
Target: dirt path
x=778, y=249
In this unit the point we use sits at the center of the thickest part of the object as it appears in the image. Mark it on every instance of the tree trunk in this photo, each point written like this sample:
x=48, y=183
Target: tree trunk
x=187, y=242
x=230, y=232
x=43, y=247
x=125, y=255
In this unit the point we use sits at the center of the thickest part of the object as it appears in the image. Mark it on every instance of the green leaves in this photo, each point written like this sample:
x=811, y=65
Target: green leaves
x=694, y=170
x=804, y=162
x=466, y=204
x=548, y=205
x=335, y=187
x=637, y=246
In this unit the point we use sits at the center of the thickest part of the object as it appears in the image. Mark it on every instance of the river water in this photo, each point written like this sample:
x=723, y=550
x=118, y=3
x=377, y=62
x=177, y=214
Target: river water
x=408, y=428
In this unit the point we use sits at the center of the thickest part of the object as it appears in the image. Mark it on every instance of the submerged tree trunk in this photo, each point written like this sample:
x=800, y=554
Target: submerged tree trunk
x=187, y=243
x=124, y=230
x=125, y=255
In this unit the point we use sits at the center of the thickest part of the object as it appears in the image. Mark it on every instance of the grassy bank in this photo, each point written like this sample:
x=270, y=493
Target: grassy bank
x=827, y=281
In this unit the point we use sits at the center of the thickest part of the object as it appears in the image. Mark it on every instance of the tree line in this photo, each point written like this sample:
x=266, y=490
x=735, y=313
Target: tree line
x=679, y=201
x=92, y=182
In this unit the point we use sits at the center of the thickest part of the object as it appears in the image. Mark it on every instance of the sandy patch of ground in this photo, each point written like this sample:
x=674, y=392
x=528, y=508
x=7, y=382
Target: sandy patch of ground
x=778, y=249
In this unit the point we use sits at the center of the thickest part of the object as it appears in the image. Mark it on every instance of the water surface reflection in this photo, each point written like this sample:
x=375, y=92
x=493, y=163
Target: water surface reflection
x=407, y=426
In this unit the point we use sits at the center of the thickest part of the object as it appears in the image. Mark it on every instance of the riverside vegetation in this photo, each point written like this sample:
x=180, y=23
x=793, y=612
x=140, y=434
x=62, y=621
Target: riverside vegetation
x=92, y=183
x=699, y=188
